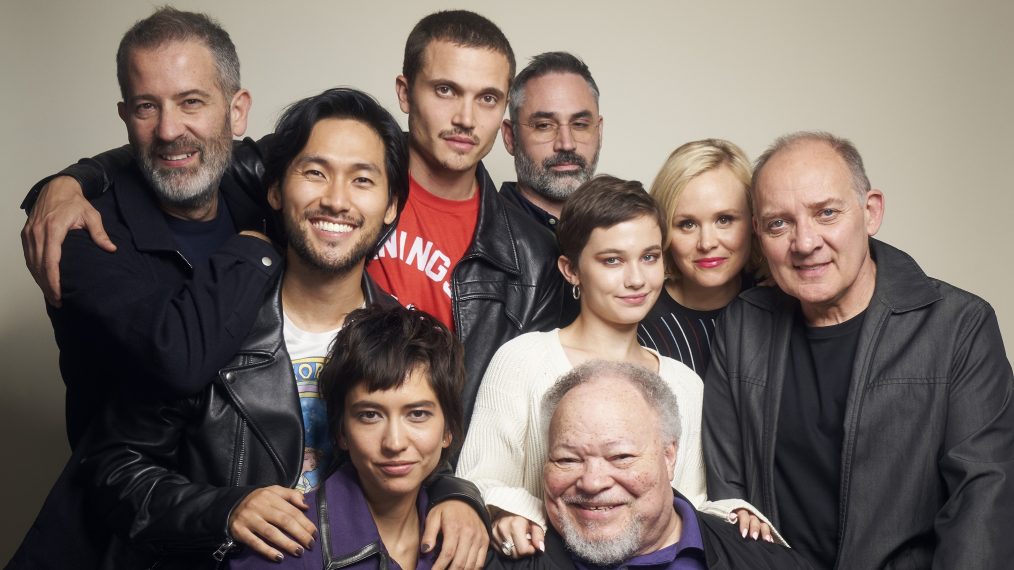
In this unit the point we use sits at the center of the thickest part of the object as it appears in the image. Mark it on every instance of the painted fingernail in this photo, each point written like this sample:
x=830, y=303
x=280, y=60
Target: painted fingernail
x=542, y=546
x=279, y=557
x=755, y=534
x=743, y=532
x=769, y=539
x=425, y=548
x=312, y=542
x=299, y=551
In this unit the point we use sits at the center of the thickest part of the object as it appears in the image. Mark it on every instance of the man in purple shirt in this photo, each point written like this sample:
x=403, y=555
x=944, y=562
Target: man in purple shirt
x=612, y=451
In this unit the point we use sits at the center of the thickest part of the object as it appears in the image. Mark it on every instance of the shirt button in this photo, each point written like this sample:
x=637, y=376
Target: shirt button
x=266, y=261
x=552, y=221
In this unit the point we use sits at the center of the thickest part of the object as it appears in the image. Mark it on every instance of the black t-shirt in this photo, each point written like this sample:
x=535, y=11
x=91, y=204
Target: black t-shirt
x=809, y=437
x=198, y=240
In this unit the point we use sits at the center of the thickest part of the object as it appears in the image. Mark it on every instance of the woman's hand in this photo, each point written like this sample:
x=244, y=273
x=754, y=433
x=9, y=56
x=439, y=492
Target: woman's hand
x=266, y=519
x=516, y=536
x=749, y=524
x=464, y=536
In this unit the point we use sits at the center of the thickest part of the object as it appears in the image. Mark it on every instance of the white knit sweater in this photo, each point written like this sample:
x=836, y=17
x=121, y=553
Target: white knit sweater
x=506, y=444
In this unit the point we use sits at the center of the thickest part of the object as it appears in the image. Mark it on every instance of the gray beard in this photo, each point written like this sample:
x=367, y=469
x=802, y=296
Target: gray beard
x=601, y=552
x=193, y=188
x=555, y=187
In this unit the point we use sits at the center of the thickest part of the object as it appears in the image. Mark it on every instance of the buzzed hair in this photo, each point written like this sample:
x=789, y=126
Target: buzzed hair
x=168, y=25
x=649, y=385
x=459, y=27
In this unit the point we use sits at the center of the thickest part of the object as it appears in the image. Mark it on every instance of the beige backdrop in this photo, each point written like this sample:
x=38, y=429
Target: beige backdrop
x=925, y=89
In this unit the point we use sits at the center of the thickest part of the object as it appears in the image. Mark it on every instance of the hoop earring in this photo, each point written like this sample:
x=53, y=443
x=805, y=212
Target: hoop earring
x=576, y=291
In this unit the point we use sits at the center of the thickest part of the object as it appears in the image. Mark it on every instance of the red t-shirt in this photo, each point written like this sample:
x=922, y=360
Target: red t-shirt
x=416, y=262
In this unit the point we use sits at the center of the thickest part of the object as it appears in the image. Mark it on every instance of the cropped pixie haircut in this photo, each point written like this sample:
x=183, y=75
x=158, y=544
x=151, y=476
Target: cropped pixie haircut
x=649, y=385
x=459, y=27
x=544, y=64
x=690, y=161
x=603, y=202
x=378, y=348
x=297, y=121
x=168, y=25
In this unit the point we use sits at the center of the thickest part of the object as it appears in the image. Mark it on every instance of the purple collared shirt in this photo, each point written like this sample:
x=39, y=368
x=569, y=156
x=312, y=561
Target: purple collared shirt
x=687, y=554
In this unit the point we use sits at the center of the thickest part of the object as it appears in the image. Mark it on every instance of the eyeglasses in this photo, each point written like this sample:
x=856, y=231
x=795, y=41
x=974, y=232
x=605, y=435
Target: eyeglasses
x=581, y=130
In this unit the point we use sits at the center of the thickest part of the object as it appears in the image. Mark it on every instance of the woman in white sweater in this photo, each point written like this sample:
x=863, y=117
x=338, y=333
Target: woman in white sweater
x=611, y=234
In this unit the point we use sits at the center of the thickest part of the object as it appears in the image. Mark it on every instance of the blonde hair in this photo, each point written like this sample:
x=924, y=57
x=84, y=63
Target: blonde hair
x=690, y=161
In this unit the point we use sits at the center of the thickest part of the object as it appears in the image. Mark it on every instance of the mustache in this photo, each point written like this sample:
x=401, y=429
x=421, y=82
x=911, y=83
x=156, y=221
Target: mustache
x=338, y=218
x=565, y=157
x=459, y=133
x=591, y=500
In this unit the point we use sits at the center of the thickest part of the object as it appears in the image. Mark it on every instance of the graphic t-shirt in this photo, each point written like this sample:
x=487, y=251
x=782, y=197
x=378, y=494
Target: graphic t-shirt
x=308, y=351
x=416, y=262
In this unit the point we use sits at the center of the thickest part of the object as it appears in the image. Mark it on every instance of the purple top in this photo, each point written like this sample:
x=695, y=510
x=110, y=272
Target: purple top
x=686, y=554
x=352, y=529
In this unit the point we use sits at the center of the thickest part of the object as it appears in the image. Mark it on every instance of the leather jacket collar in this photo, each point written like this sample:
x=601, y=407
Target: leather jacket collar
x=494, y=235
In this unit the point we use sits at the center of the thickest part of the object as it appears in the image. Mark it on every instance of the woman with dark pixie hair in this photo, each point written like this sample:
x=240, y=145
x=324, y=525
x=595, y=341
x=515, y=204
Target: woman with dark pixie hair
x=392, y=386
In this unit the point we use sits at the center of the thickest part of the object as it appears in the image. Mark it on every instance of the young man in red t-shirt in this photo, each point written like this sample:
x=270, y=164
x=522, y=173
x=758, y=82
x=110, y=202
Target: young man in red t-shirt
x=460, y=251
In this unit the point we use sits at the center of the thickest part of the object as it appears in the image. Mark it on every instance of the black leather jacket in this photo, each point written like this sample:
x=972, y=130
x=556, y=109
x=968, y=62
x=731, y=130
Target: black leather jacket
x=167, y=474
x=927, y=470
x=505, y=285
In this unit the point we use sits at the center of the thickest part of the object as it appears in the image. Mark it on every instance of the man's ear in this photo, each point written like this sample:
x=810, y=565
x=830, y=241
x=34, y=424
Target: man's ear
x=670, y=458
x=121, y=110
x=874, y=211
x=507, y=131
x=239, y=110
x=275, y=196
x=401, y=88
x=392, y=211
x=569, y=271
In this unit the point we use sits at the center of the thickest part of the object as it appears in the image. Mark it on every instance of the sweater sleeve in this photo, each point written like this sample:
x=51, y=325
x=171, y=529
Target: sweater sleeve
x=498, y=450
x=689, y=478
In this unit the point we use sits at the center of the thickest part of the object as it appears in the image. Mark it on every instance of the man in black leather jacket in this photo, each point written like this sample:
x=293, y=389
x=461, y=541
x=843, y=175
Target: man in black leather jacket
x=183, y=481
x=865, y=407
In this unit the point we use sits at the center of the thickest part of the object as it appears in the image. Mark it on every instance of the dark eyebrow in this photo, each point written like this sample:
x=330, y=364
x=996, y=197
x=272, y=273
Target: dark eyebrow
x=550, y=115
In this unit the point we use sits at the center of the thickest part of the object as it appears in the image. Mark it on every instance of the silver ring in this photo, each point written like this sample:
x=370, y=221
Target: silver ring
x=508, y=547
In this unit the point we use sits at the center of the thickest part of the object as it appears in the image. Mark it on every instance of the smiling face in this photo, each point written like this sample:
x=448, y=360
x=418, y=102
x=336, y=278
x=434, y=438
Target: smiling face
x=607, y=477
x=554, y=166
x=711, y=230
x=334, y=196
x=814, y=231
x=179, y=122
x=394, y=437
x=455, y=105
x=620, y=271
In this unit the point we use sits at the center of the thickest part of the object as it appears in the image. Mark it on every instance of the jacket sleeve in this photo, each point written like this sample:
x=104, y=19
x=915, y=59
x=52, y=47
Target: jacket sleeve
x=95, y=174
x=977, y=455
x=179, y=337
x=132, y=467
x=444, y=486
x=723, y=449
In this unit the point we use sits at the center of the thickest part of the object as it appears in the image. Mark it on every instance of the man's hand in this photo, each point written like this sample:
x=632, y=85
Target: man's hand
x=464, y=536
x=749, y=524
x=517, y=536
x=270, y=518
x=61, y=207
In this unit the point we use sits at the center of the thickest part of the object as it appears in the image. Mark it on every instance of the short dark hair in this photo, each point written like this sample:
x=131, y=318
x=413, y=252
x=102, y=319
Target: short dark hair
x=603, y=202
x=297, y=121
x=169, y=25
x=460, y=27
x=378, y=348
x=544, y=64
